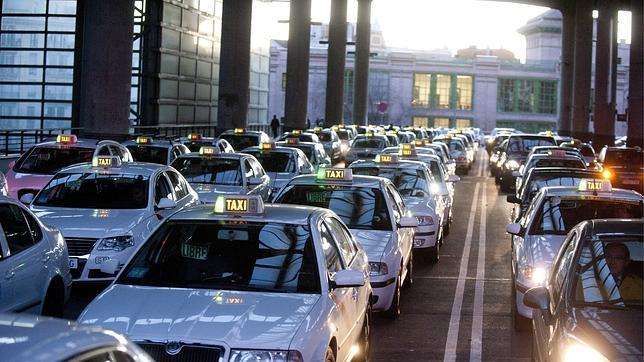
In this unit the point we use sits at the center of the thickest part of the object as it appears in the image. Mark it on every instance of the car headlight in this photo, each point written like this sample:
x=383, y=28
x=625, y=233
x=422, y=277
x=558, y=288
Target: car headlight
x=580, y=352
x=115, y=243
x=238, y=355
x=536, y=275
x=512, y=165
x=425, y=220
x=378, y=268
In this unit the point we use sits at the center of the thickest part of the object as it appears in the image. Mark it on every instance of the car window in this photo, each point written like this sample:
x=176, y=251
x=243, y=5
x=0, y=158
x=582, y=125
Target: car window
x=162, y=189
x=257, y=168
x=117, y=151
x=103, y=151
x=179, y=189
x=331, y=254
x=397, y=199
x=343, y=239
x=560, y=269
x=16, y=229
x=34, y=227
x=249, y=169
x=176, y=152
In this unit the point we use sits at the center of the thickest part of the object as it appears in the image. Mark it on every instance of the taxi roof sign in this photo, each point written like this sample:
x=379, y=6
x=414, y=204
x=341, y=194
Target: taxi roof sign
x=334, y=174
x=595, y=185
x=419, y=143
x=208, y=150
x=106, y=161
x=267, y=146
x=144, y=140
x=296, y=132
x=317, y=129
x=427, y=140
x=66, y=138
x=195, y=136
x=557, y=153
x=292, y=141
x=409, y=153
x=238, y=205
x=239, y=130
x=369, y=134
x=408, y=146
x=386, y=158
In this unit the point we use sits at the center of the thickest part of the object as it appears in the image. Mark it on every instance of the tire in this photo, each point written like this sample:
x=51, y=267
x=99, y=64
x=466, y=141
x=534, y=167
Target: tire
x=365, y=338
x=409, y=279
x=329, y=356
x=434, y=253
x=519, y=322
x=446, y=229
x=54, y=303
x=394, y=309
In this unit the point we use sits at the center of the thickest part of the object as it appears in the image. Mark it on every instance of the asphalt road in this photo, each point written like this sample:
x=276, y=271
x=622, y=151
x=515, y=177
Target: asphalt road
x=459, y=308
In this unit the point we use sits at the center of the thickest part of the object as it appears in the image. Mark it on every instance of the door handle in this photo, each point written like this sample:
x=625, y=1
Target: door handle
x=9, y=274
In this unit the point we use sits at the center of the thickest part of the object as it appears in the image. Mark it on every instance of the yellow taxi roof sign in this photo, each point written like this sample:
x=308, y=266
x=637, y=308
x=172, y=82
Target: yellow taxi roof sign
x=238, y=205
x=66, y=138
x=267, y=146
x=208, y=150
x=595, y=185
x=292, y=141
x=239, y=130
x=334, y=174
x=317, y=129
x=386, y=158
x=143, y=140
x=408, y=146
x=106, y=161
x=296, y=132
x=419, y=143
x=195, y=136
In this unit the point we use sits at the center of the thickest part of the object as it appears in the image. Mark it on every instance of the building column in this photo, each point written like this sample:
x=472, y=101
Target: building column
x=297, y=65
x=567, y=54
x=105, y=70
x=582, y=69
x=333, y=112
x=234, y=64
x=361, y=67
x=604, y=119
x=636, y=78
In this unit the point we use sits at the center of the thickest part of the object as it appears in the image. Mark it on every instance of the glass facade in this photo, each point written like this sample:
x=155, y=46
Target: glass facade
x=420, y=121
x=442, y=91
x=420, y=96
x=464, y=87
x=36, y=63
x=527, y=126
x=259, y=70
x=441, y=97
x=378, y=94
x=441, y=122
x=527, y=96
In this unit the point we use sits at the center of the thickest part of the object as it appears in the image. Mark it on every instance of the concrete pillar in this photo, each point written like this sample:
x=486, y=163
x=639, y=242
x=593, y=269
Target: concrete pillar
x=297, y=65
x=335, y=63
x=604, y=118
x=361, y=79
x=635, y=132
x=567, y=54
x=582, y=68
x=234, y=64
x=105, y=69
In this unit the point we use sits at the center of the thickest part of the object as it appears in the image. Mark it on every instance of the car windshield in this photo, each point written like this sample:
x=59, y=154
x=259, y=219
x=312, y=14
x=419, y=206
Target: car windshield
x=409, y=182
x=152, y=154
x=308, y=150
x=358, y=207
x=217, y=171
x=248, y=256
x=369, y=143
x=557, y=162
x=435, y=168
x=325, y=137
x=240, y=141
x=343, y=135
x=95, y=190
x=48, y=160
x=624, y=157
x=454, y=145
x=610, y=273
x=276, y=161
x=525, y=144
x=536, y=184
x=558, y=215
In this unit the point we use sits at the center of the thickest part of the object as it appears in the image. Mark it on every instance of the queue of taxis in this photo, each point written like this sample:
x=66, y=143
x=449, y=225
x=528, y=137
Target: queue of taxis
x=159, y=151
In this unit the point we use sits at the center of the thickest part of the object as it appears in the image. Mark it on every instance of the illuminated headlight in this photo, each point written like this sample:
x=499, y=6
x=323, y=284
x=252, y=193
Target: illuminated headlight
x=580, y=352
x=237, y=355
x=512, y=165
x=115, y=243
x=425, y=220
x=378, y=268
x=536, y=275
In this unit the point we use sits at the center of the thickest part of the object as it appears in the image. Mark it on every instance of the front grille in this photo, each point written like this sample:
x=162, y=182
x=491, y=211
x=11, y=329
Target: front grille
x=79, y=246
x=188, y=353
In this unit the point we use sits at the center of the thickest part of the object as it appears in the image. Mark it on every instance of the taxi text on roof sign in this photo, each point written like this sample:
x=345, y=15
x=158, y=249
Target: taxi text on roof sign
x=238, y=205
x=66, y=138
x=144, y=140
x=239, y=130
x=408, y=146
x=419, y=142
x=106, y=161
x=267, y=146
x=292, y=141
x=207, y=150
x=384, y=158
x=296, y=132
x=595, y=185
x=317, y=129
x=335, y=174
x=194, y=136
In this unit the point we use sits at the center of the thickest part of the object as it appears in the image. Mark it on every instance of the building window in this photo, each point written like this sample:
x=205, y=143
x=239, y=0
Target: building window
x=441, y=122
x=420, y=121
x=283, y=82
x=527, y=96
x=420, y=96
x=464, y=92
x=524, y=95
x=548, y=97
x=463, y=122
x=443, y=86
x=527, y=126
x=378, y=95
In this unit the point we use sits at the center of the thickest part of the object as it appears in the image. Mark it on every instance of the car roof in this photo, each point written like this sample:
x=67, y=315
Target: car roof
x=286, y=144
x=80, y=143
x=616, y=226
x=404, y=163
x=358, y=180
x=280, y=148
x=563, y=171
x=142, y=168
x=233, y=155
x=567, y=191
x=154, y=143
x=277, y=213
x=245, y=133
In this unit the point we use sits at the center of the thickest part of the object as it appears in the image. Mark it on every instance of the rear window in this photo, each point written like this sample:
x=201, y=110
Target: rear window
x=343, y=135
x=550, y=162
x=218, y=171
x=369, y=143
x=276, y=161
x=624, y=157
x=525, y=144
x=48, y=160
x=150, y=154
x=325, y=137
x=240, y=141
x=409, y=182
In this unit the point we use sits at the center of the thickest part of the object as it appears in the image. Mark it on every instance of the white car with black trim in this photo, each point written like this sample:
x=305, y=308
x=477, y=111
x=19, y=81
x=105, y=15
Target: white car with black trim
x=377, y=216
x=105, y=209
x=244, y=281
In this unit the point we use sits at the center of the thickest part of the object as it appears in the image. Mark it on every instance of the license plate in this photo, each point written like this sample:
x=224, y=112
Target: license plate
x=631, y=182
x=73, y=263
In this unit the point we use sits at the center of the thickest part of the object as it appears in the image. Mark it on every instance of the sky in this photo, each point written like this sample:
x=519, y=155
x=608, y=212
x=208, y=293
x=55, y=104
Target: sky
x=436, y=24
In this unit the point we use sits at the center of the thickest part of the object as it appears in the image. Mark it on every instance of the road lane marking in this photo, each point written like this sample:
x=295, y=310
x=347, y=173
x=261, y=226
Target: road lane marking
x=476, y=344
x=455, y=278
x=455, y=318
x=481, y=164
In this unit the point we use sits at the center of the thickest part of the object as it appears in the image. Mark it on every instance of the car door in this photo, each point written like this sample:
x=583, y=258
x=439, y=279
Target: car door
x=6, y=285
x=405, y=235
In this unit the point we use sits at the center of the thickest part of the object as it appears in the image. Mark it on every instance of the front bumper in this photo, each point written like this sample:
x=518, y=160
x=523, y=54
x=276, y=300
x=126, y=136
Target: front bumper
x=425, y=236
x=383, y=288
x=522, y=309
x=89, y=266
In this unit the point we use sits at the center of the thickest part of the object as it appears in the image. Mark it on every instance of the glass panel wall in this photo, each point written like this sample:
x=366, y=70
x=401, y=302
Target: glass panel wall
x=443, y=83
x=420, y=121
x=527, y=96
x=464, y=92
x=420, y=96
x=443, y=91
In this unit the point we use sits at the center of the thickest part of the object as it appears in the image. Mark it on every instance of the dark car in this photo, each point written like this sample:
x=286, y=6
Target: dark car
x=590, y=308
x=624, y=166
x=516, y=153
x=495, y=141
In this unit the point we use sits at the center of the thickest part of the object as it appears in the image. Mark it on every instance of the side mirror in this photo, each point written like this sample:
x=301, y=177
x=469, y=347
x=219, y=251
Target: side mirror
x=538, y=298
x=408, y=222
x=453, y=178
x=513, y=199
x=348, y=279
x=516, y=174
x=27, y=198
x=110, y=266
x=166, y=203
x=514, y=229
x=254, y=181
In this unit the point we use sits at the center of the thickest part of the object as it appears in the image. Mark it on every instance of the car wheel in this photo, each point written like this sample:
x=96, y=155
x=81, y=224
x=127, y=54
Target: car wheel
x=409, y=279
x=434, y=253
x=365, y=338
x=394, y=309
x=329, y=357
x=446, y=229
x=54, y=303
x=519, y=322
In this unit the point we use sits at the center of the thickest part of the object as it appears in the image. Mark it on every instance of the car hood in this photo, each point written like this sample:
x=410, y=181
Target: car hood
x=544, y=248
x=374, y=242
x=91, y=223
x=420, y=206
x=617, y=334
x=208, y=193
x=239, y=319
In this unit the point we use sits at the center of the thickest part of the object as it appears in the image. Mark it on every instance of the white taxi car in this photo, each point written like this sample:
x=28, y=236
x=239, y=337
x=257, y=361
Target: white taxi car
x=35, y=338
x=280, y=163
x=552, y=214
x=147, y=149
x=413, y=179
x=194, y=142
x=212, y=174
x=244, y=282
x=241, y=138
x=33, y=262
x=314, y=151
x=377, y=216
x=105, y=209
